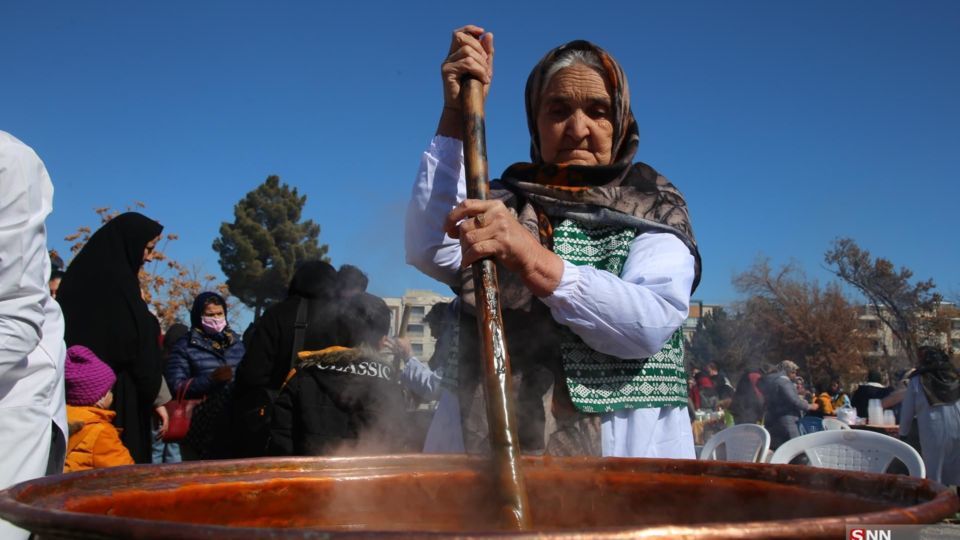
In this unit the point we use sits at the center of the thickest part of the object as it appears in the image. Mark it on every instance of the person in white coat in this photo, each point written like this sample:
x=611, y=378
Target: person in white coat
x=933, y=397
x=33, y=420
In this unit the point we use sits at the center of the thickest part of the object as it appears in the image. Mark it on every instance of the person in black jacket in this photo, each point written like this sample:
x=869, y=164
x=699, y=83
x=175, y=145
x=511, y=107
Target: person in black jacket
x=266, y=363
x=343, y=399
x=872, y=389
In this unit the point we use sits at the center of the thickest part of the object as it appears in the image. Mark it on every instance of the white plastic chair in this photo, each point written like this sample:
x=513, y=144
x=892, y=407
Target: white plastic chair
x=851, y=450
x=742, y=442
x=830, y=424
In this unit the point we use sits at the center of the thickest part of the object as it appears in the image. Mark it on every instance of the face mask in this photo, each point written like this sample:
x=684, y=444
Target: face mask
x=214, y=325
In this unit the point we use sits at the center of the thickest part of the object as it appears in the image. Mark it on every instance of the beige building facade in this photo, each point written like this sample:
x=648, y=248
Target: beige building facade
x=698, y=310
x=418, y=303
x=881, y=341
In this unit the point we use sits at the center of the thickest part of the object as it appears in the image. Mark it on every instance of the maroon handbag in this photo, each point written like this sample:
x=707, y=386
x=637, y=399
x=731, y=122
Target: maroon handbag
x=179, y=411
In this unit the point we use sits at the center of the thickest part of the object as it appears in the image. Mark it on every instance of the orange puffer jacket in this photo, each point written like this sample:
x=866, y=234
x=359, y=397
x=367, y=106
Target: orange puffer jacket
x=97, y=444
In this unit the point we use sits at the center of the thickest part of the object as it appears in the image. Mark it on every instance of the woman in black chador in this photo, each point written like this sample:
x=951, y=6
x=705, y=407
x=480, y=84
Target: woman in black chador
x=105, y=312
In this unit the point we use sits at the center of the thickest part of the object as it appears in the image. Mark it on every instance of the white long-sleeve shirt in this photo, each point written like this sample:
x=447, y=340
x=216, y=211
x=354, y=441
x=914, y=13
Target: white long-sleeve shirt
x=420, y=379
x=627, y=316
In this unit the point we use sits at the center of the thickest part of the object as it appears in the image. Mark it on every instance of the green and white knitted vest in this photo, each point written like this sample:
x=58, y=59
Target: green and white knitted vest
x=602, y=383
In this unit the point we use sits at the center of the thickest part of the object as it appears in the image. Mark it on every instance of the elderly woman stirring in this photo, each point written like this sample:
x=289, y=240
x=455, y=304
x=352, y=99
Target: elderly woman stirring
x=596, y=254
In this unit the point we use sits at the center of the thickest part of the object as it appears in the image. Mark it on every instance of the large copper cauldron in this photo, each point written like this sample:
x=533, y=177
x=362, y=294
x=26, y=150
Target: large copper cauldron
x=438, y=496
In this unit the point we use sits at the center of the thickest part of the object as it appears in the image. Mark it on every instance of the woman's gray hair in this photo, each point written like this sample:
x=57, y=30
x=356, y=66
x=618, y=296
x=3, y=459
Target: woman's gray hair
x=788, y=367
x=573, y=57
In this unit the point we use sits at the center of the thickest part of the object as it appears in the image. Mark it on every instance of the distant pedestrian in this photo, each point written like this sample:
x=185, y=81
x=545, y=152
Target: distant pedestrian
x=427, y=381
x=351, y=281
x=344, y=399
x=202, y=364
x=823, y=401
x=747, y=406
x=266, y=364
x=784, y=407
x=708, y=398
x=933, y=399
x=872, y=389
x=838, y=397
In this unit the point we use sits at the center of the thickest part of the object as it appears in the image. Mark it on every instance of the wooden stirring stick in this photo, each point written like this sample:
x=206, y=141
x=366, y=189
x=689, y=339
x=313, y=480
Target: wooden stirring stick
x=501, y=415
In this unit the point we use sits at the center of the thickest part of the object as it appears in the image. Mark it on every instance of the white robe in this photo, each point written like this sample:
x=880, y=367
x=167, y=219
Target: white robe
x=33, y=420
x=939, y=428
x=444, y=435
x=630, y=316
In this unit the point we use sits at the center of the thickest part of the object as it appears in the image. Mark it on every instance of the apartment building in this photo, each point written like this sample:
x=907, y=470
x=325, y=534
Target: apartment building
x=881, y=339
x=698, y=310
x=418, y=303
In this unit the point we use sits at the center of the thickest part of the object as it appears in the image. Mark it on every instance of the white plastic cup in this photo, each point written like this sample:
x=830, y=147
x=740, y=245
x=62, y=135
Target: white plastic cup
x=875, y=412
x=889, y=419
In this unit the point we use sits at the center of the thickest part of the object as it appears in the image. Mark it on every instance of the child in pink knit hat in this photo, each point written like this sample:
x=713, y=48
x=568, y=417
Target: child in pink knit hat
x=96, y=444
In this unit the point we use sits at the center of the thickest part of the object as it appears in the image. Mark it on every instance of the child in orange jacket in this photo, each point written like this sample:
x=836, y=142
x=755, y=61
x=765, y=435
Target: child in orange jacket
x=94, y=441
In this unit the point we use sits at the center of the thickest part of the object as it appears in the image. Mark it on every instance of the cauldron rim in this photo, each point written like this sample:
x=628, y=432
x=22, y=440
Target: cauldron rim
x=941, y=501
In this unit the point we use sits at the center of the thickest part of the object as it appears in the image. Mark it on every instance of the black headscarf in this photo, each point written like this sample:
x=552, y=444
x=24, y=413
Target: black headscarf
x=938, y=377
x=226, y=337
x=104, y=311
x=200, y=302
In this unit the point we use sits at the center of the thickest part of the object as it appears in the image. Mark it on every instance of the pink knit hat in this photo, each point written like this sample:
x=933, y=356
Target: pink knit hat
x=88, y=378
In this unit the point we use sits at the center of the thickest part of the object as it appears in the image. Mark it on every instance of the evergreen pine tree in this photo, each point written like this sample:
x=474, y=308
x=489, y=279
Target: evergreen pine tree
x=260, y=250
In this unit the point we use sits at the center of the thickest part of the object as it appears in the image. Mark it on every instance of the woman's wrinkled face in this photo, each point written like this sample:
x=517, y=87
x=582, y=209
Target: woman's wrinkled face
x=575, y=121
x=149, y=249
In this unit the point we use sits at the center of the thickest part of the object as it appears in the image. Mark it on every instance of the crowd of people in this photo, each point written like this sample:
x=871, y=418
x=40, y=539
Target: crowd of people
x=925, y=401
x=87, y=374
x=597, y=261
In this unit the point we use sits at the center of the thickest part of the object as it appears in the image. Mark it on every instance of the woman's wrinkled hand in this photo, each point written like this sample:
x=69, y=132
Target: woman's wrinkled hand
x=488, y=229
x=471, y=53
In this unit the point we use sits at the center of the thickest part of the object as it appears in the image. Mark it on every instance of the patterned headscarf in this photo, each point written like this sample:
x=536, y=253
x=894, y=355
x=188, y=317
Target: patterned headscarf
x=939, y=379
x=626, y=135
x=623, y=193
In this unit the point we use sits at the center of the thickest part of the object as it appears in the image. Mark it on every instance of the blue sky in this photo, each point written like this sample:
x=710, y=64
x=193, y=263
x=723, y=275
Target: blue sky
x=786, y=124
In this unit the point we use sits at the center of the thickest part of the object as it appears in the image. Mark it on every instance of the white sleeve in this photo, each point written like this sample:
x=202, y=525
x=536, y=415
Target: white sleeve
x=26, y=196
x=420, y=379
x=631, y=316
x=439, y=187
